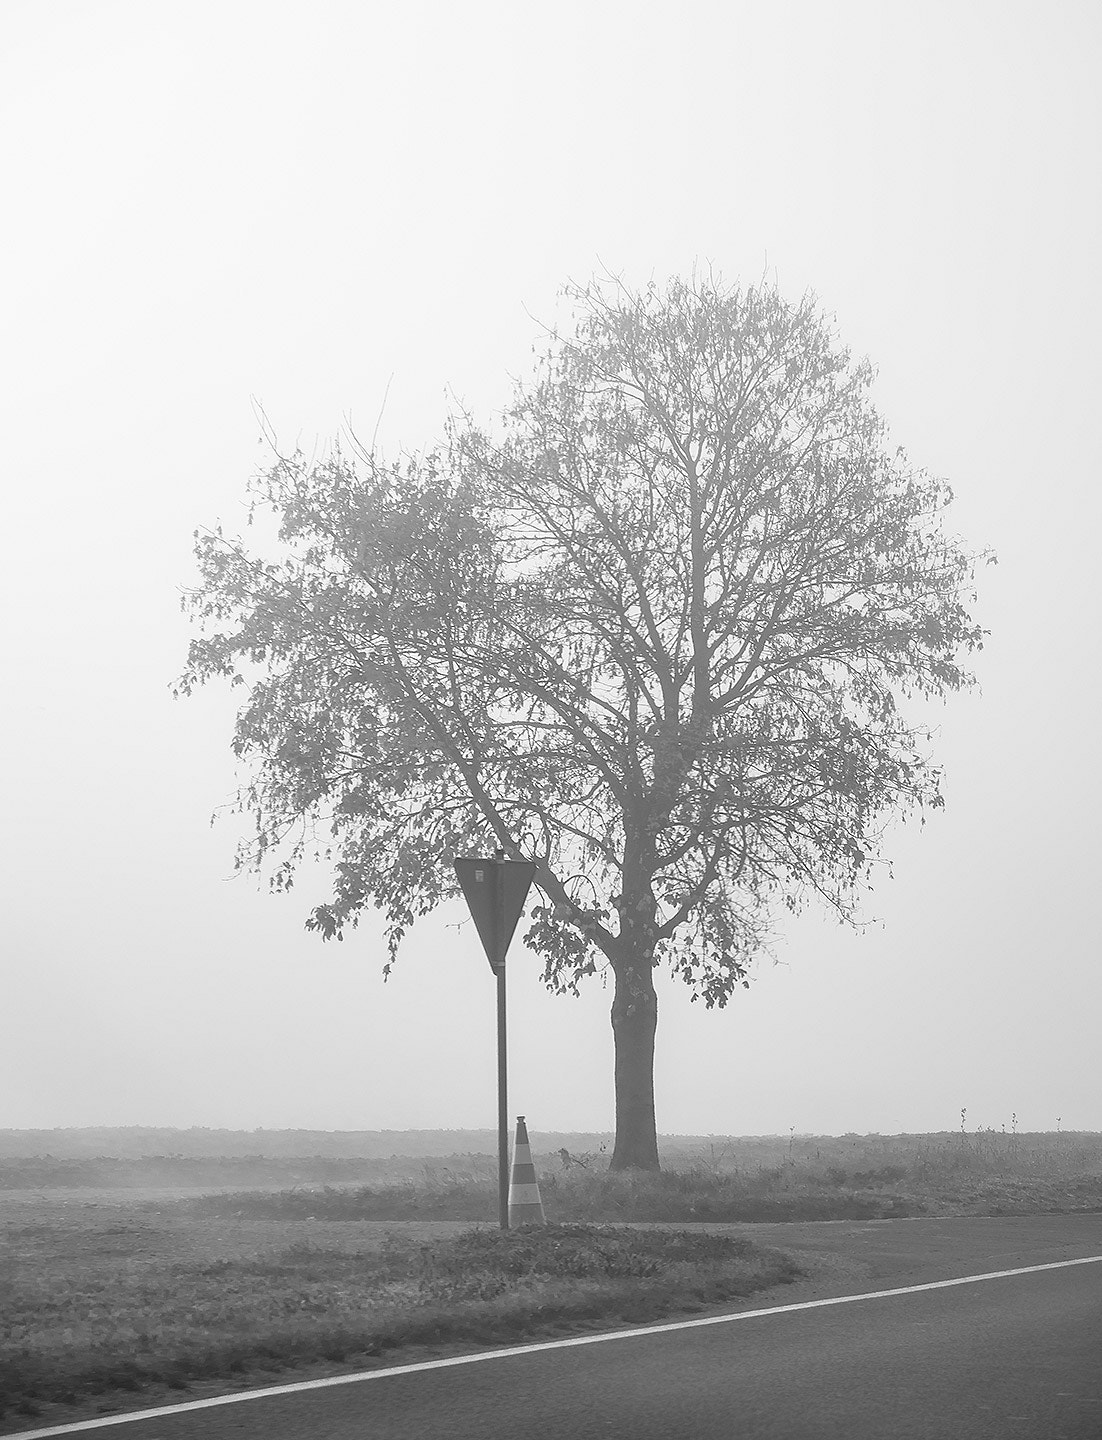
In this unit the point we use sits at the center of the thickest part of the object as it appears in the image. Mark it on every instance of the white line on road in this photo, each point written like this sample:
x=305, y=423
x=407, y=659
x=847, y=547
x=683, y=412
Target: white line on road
x=298, y=1386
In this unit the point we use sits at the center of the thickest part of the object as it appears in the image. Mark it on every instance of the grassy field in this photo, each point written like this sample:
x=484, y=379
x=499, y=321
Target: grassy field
x=107, y=1301
x=127, y=1279
x=755, y=1178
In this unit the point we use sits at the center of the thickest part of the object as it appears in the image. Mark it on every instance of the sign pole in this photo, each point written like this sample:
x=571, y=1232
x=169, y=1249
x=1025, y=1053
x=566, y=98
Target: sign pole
x=496, y=891
x=502, y=1107
x=502, y=1051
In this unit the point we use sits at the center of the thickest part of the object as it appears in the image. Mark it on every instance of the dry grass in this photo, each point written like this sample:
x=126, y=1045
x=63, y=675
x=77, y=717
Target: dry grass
x=756, y=1178
x=869, y=1177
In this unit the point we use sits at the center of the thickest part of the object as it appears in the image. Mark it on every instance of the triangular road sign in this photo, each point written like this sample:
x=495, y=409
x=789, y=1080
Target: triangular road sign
x=496, y=891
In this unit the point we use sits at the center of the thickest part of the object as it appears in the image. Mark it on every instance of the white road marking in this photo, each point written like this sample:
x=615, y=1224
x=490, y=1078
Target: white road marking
x=299, y=1386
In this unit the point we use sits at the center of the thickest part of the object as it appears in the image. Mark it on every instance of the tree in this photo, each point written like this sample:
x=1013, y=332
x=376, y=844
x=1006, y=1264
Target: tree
x=653, y=630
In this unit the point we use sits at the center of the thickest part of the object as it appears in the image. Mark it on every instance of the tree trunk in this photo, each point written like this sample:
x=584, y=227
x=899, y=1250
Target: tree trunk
x=634, y=1021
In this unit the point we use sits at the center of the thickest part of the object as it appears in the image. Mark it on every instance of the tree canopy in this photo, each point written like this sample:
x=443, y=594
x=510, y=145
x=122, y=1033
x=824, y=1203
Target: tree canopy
x=653, y=628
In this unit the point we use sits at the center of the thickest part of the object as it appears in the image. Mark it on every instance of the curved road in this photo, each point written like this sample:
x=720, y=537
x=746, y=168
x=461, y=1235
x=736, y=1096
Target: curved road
x=1013, y=1357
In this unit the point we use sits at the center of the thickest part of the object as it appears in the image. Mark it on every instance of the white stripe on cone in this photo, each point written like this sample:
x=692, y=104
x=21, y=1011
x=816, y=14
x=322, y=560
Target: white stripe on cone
x=525, y=1195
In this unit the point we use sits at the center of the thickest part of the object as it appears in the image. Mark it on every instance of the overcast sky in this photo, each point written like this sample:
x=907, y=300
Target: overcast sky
x=303, y=203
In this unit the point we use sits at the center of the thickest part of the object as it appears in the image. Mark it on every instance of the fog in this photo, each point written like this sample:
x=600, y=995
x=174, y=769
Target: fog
x=316, y=207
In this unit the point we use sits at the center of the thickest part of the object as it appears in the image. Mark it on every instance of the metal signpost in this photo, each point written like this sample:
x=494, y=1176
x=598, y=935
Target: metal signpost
x=496, y=891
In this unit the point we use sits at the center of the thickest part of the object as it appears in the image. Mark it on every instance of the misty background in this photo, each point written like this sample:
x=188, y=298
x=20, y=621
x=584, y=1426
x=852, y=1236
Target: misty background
x=316, y=207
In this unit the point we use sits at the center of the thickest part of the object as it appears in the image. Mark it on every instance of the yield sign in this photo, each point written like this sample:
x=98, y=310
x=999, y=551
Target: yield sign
x=496, y=891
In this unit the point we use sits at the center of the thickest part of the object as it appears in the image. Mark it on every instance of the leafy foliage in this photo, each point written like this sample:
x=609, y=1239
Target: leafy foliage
x=653, y=630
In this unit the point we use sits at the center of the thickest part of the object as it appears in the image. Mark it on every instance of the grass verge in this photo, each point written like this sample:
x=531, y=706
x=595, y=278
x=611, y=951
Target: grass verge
x=130, y=1317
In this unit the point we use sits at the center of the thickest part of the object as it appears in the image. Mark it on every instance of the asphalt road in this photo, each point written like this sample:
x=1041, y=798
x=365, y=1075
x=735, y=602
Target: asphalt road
x=1013, y=1358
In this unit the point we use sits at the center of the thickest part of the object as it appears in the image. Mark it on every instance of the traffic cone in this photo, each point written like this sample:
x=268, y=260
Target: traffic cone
x=525, y=1205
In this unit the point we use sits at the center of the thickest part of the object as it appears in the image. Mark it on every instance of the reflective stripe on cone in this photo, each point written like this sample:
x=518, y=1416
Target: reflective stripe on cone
x=525, y=1205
